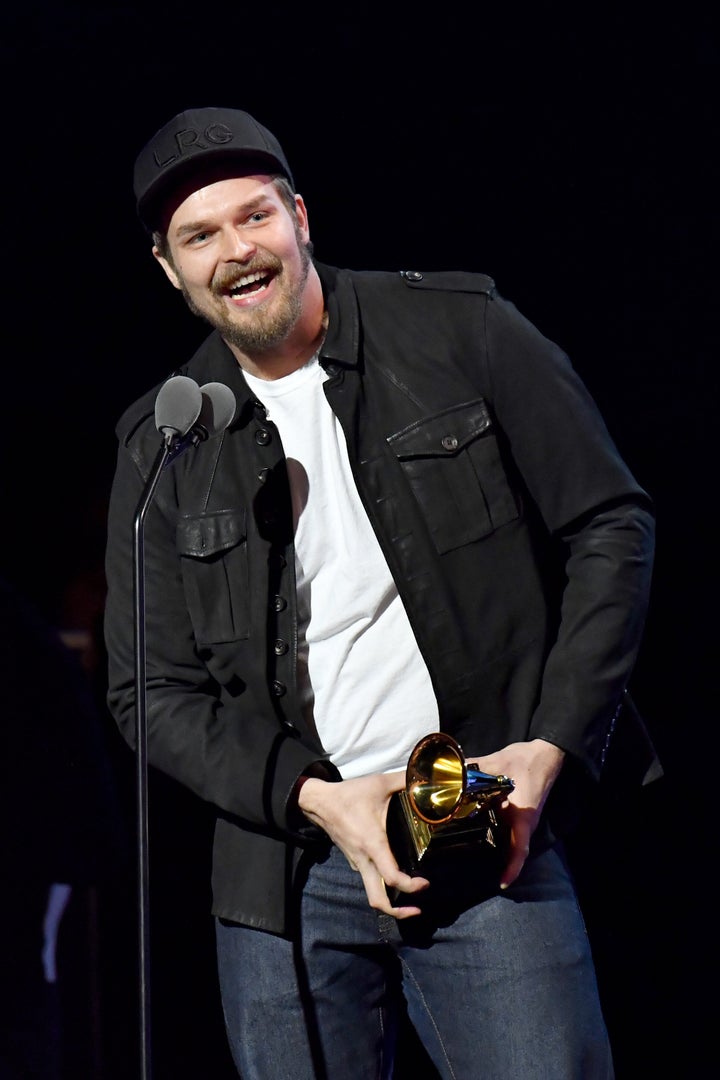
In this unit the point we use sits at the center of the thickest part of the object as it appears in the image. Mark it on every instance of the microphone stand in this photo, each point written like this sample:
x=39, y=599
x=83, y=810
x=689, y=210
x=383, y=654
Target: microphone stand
x=141, y=755
x=186, y=415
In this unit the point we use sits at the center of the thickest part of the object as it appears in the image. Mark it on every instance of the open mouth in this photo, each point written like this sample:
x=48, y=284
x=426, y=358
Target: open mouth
x=250, y=284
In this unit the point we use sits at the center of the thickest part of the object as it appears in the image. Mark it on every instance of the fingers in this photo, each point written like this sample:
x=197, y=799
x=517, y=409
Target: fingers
x=353, y=814
x=520, y=833
x=388, y=888
x=512, y=868
x=384, y=895
x=399, y=899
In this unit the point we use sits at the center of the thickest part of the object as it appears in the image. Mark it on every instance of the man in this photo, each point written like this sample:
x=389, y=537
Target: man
x=416, y=521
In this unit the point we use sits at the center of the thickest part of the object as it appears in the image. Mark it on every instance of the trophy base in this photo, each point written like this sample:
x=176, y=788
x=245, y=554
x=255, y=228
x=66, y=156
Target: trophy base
x=421, y=848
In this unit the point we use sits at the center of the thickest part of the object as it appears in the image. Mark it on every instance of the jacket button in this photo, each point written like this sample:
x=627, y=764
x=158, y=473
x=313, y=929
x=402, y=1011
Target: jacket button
x=278, y=689
x=450, y=442
x=264, y=475
x=290, y=727
x=279, y=603
x=280, y=647
x=262, y=437
x=413, y=275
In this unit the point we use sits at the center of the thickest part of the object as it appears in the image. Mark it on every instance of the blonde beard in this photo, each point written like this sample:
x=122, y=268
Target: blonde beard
x=266, y=331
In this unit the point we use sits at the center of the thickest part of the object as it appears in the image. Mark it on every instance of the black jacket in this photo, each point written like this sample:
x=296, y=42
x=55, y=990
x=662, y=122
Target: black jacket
x=519, y=541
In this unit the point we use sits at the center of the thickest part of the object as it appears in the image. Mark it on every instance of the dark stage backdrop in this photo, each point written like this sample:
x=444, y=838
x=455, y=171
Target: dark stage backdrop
x=571, y=159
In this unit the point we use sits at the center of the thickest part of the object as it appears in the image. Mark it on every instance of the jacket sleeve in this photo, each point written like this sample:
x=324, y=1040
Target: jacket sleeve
x=601, y=523
x=219, y=742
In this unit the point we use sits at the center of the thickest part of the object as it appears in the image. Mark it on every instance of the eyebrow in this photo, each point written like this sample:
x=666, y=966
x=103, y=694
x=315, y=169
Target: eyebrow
x=245, y=208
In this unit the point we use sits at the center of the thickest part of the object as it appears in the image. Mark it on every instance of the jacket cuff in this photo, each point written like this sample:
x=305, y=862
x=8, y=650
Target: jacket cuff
x=296, y=821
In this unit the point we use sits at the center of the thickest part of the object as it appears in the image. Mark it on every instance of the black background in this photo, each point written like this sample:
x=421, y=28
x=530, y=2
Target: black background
x=574, y=159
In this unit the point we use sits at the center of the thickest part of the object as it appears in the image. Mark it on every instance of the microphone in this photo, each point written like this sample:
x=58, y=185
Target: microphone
x=217, y=411
x=177, y=407
x=218, y=408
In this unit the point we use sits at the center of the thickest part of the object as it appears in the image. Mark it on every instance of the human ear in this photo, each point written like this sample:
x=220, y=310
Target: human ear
x=167, y=267
x=302, y=217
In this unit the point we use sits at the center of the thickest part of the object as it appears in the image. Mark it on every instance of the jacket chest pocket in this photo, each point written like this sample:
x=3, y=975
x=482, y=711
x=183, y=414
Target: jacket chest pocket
x=453, y=465
x=213, y=556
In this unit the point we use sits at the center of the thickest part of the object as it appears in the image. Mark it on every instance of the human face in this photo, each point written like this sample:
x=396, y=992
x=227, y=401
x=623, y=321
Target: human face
x=239, y=255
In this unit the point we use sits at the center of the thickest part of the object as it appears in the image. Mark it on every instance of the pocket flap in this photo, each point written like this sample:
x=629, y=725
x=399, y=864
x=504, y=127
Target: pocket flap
x=207, y=534
x=444, y=433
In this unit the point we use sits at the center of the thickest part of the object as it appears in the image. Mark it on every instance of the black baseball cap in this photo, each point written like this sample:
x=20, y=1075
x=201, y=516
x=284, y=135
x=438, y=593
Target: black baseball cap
x=197, y=144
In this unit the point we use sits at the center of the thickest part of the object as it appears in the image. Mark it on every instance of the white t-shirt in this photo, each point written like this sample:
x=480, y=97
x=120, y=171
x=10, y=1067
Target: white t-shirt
x=365, y=684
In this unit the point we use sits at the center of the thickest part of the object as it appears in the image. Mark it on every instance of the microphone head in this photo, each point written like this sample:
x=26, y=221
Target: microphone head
x=177, y=406
x=218, y=408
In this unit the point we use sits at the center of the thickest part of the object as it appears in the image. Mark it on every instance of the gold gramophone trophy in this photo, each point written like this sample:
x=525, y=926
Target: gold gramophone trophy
x=446, y=804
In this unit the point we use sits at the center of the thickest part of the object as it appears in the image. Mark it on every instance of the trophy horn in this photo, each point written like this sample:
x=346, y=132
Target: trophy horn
x=441, y=786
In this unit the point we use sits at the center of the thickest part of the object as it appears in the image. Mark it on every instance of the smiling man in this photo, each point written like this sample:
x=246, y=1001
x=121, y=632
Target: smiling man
x=238, y=250
x=417, y=522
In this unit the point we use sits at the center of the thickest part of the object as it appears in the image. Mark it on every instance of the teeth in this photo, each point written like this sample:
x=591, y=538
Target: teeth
x=248, y=279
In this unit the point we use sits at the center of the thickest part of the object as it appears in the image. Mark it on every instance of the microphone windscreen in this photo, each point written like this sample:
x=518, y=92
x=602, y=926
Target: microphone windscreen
x=218, y=407
x=177, y=405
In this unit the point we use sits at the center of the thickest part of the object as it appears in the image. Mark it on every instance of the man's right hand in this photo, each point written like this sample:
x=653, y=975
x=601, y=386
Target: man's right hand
x=353, y=813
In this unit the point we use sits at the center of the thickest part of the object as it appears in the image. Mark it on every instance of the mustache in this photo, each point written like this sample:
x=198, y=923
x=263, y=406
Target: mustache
x=228, y=276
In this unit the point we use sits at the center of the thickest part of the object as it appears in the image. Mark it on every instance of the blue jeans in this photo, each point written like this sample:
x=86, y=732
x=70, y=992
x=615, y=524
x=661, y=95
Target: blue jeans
x=496, y=985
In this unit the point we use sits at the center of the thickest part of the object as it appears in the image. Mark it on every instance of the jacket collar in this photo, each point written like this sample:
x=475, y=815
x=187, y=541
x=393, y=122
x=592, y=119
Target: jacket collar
x=342, y=340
